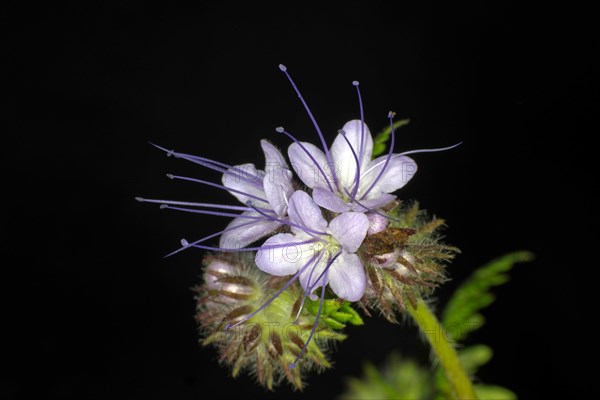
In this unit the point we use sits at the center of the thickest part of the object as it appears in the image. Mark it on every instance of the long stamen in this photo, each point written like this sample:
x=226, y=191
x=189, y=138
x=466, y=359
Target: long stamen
x=389, y=155
x=187, y=245
x=412, y=152
x=207, y=212
x=430, y=150
x=192, y=204
x=308, y=285
x=362, y=123
x=259, y=309
x=215, y=166
x=318, y=316
x=281, y=130
x=184, y=178
x=314, y=121
x=287, y=222
x=357, y=174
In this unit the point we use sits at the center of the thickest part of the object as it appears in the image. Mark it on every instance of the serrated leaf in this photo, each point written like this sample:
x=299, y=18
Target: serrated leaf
x=491, y=392
x=380, y=140
x=473, y=295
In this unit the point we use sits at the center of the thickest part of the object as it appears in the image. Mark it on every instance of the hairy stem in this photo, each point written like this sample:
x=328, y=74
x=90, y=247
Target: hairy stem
x=443, y=349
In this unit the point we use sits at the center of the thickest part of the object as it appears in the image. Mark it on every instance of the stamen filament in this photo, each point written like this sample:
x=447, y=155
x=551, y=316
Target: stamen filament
x=314, y=121
x=387, y=159
x=329, y=264
x=357, y=174
x=430, y=150
x=184, y=178
x=242, y=249
x=309, y=285
x=215, y=166
x=207, y=212
x=192, y=204
x=187, y=245
x=362, y=121
x=318, y=316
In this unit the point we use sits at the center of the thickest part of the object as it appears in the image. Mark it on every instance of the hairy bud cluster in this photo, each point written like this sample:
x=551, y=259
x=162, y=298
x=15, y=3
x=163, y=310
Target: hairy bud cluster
x=270, y=342
x=404, y=262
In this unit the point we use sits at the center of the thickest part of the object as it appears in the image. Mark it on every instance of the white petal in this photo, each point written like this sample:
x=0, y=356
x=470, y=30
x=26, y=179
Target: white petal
x=328, y=200
x=341, y=153
x=305, y=167
x=398, y=172
x=305, y=212
x=245, y=178
x=347, y=277
x=349, y=230
x=250, y=231
x=284, y=260
x=278, y=179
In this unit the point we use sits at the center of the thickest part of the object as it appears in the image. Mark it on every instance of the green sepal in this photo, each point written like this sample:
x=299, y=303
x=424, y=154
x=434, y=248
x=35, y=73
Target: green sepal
x=335, y=312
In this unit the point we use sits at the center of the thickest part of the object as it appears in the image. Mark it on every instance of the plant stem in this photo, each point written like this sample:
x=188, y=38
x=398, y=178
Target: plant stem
x=443, y=349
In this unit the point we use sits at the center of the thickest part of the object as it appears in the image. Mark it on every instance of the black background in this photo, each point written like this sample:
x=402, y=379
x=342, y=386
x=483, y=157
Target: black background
x=93, y=311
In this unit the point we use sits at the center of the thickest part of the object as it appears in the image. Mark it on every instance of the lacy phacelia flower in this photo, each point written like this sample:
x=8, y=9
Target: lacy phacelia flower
x=344, y=233
x=273, y=340
x=354, y=182
x=319, y=252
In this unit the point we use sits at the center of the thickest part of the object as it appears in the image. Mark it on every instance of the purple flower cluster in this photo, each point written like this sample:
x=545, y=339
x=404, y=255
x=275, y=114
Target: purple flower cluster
x=313, y=234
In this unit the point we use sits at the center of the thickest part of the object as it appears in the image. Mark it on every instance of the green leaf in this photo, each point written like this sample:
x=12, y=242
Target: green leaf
x=461, y=313
x=398, y=379
x=491, y=392
x=382, y=137
x=475, y=356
